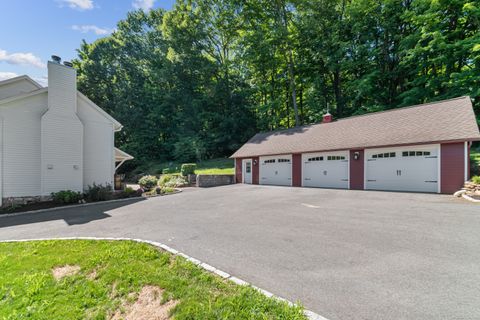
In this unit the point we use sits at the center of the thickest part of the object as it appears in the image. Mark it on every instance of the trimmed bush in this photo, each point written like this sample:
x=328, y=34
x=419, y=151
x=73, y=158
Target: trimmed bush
x=98, y=192
x=148, y=182
x=188, y=168
x=67, y=196
x=476, y=179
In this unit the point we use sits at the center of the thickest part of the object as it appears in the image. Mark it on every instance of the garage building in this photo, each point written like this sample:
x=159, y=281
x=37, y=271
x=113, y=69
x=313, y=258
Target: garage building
x=422, y=148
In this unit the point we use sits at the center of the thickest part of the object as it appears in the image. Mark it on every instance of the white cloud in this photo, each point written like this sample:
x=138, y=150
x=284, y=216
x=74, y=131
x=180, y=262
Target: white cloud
x=145, y=5
x=78, y=4
x=21, y=58
x=7, y=75
x=92, y=28
x=43, y=81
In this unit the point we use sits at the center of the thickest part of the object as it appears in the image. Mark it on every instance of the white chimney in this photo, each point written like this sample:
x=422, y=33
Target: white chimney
x=62, y=87
x=61, y=132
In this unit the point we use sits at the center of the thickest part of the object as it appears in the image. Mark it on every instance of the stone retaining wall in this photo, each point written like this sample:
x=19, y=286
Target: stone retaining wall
x=214, y=180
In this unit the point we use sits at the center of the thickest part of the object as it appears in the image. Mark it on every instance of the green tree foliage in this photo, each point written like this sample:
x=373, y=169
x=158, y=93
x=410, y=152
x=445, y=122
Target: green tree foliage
x=197, y=81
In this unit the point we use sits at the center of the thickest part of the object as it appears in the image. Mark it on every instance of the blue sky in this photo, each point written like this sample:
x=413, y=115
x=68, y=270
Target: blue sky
x=32, y=30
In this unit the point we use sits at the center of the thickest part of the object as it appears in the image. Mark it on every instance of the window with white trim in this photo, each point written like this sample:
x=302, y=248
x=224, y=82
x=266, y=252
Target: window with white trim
x=315, y=159
x=283, y=160
x=269, y=161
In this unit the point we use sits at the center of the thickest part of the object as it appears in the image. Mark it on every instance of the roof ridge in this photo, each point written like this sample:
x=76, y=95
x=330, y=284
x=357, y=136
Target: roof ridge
x=402, y=108
x=17, y=78
x=363, y=115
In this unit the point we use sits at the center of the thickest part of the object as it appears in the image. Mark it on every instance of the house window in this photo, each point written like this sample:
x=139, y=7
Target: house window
x=315, y=159
x=269, y=161
x=248, y=167
x=283, y=160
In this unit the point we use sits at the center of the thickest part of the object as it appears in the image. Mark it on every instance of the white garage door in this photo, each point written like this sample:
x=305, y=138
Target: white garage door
x=325, y=170
x=402, y=169
x=276, y=170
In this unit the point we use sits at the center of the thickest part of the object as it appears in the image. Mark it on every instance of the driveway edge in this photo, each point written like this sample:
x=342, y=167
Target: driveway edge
x=309, y=314
x=70, y=206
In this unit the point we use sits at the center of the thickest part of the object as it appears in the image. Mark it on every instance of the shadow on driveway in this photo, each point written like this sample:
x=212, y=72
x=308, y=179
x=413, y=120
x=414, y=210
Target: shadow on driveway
x=72, y=216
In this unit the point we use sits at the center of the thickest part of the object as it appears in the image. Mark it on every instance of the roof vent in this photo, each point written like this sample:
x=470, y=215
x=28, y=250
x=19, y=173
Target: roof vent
x=68, y=64
x=327, y=117
x=56, y=59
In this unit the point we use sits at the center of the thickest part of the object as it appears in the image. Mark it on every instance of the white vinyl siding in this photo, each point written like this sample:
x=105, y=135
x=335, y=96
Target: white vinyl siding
x=16, y=88
x=325, y=170
x=62, y=154
x=98, y=146
x=410, y=168
x=21, y=146
x=276, y=170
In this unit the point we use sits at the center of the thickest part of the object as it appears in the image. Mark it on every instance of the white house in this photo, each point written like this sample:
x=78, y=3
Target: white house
x=53, y=138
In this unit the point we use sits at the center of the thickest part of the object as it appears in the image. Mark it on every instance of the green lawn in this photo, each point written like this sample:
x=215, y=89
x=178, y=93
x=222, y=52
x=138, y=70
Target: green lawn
x=111, y=275
x=213, y=166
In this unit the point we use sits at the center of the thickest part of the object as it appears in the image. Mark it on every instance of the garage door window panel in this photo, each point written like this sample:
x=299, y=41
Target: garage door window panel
x=315, y=159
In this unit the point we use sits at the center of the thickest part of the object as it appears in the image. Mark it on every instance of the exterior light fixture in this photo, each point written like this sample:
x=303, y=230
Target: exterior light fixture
x=356, y=155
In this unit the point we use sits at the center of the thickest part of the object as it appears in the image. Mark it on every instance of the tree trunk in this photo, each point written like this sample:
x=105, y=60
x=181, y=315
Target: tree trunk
x=302, y=115
x=338, y=92
x=293, y=87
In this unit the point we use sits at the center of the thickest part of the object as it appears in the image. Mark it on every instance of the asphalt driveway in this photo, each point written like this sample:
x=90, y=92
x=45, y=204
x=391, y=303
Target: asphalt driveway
x=343, y=254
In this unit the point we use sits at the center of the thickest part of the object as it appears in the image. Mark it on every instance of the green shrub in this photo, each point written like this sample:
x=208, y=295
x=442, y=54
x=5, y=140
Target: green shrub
x=475, y=167
x=172, y=181
x=167, y=190
x=164, y=178
x=98, y=192
x=129, y=191
x=148, y=182
x=166, y=171
x=188, y=168
x=67, y=196
x=476, y=179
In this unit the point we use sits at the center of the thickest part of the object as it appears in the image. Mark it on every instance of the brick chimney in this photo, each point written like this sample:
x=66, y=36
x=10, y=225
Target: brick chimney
x=327, y=117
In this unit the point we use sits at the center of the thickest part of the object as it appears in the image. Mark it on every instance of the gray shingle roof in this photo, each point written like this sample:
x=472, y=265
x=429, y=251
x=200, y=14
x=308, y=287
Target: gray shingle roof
x=448, y=120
